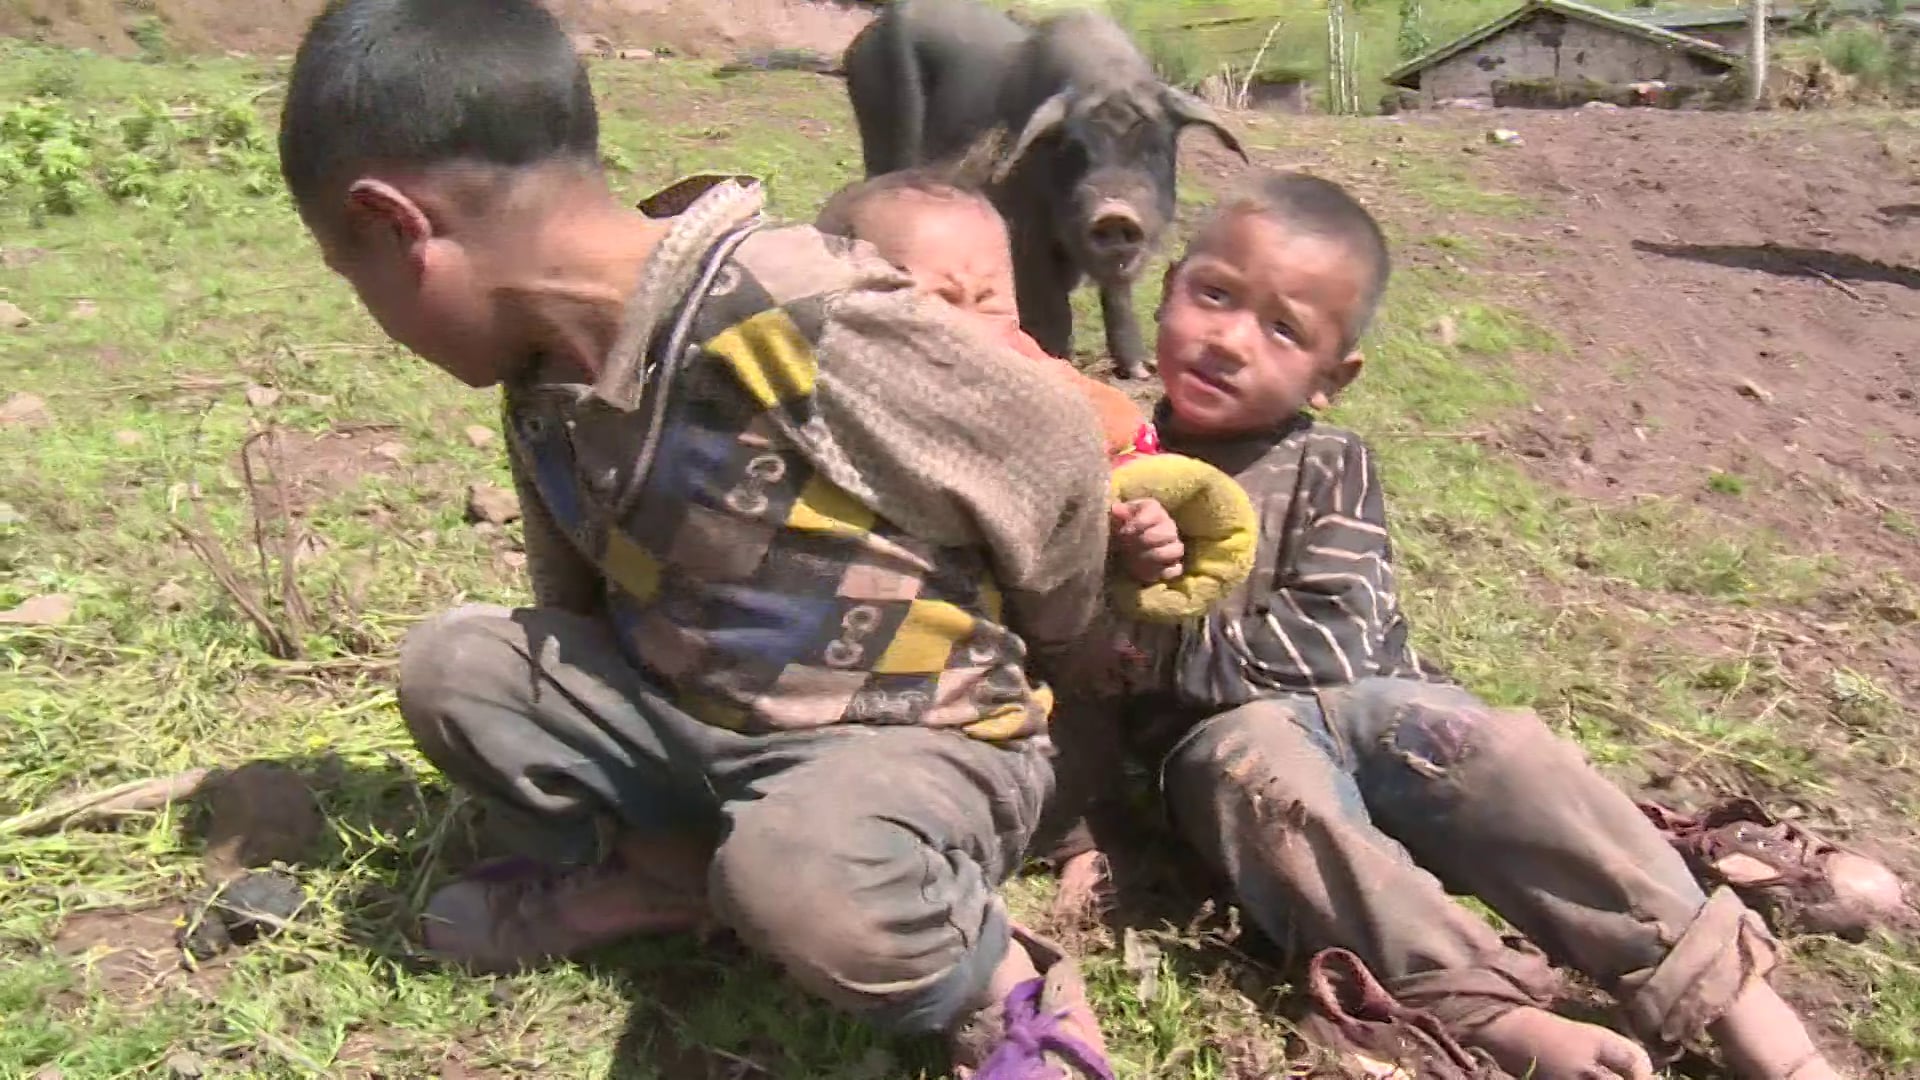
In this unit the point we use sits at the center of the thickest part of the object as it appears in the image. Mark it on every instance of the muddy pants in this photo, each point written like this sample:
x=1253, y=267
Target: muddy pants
x=863, y=859
x=1338, y=816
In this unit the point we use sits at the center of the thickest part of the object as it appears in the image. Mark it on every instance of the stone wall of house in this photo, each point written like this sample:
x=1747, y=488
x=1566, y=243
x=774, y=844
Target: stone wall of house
x=1550, y=46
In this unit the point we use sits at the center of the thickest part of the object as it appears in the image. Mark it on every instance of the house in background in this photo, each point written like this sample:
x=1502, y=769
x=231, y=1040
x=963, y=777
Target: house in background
x=1560, y=41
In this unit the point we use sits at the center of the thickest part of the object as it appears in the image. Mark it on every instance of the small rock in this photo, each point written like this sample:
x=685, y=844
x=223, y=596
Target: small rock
x=635, y=54
x=258, y=814
x=493, y=505
x=591, y=45
x=186, y=1063
x=516, y=560
x=392, y=451
x=26, y=409
x=1448, y=331
x=1751, y=389
x=1570, y=230
x=1505, y=137
x=172, y=596
x=1601, y=106
x=258, y=903
x=51, y=1072
x=10, y=516
x=262, y=397
x=53, y=609
x=129, y=438
x=204, y=936
x=84, y=309
x=13, y=318
x=479, y=436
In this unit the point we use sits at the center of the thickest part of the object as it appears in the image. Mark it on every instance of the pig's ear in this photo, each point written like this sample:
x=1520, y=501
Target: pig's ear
x=1051, y=114
x=1187, y=109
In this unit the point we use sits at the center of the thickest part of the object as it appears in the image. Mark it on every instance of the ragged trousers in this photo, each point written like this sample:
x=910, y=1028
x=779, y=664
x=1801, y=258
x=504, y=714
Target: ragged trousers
x=1344, y=818
x=865, y=860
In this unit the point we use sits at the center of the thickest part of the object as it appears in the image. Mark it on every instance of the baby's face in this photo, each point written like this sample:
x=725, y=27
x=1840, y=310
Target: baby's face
x=955, y=249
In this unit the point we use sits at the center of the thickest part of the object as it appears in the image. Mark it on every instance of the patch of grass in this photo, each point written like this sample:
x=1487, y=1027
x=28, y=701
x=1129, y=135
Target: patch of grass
x=154, y=324
x=1884, y=974
x=1724, y=483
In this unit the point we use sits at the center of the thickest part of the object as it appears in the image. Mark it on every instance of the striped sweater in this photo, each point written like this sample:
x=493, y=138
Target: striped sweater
x=1319, y=609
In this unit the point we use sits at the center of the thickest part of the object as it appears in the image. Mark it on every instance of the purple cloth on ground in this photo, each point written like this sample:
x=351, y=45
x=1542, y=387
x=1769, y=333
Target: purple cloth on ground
x=1029, y=1035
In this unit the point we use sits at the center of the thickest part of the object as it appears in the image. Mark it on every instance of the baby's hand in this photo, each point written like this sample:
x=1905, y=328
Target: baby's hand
x=1146, y=541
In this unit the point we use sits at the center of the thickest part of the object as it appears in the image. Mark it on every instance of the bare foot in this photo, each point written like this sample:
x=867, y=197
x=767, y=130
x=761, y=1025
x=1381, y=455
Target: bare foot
x=1082, y=878
x=1536, y=1044
x=1765, y=1040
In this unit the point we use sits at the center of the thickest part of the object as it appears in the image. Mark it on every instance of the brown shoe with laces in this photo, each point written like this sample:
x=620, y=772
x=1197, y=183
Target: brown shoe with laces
x=515, y=913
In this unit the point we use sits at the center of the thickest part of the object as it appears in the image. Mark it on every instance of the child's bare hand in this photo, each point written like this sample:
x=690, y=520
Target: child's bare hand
x=1146, y=541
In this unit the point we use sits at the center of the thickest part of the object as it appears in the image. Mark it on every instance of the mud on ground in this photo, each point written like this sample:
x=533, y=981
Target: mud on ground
x=273, y=27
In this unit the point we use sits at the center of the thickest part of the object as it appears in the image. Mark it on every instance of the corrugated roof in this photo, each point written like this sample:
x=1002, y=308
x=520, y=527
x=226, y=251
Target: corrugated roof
x=1607, y=19
x=1735, y=16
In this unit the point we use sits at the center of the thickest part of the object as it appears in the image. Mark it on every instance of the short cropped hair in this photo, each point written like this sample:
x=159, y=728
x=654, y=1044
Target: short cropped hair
x=1322, y=208
x=419, y=83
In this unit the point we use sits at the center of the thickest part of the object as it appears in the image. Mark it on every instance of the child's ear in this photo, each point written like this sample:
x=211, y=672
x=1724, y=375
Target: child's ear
x=1338, y=378
x=379, y=212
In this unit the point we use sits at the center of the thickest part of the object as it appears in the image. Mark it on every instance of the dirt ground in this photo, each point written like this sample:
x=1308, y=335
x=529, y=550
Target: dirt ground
x=682, y=27
x=1768, y=311
x=1738, y=298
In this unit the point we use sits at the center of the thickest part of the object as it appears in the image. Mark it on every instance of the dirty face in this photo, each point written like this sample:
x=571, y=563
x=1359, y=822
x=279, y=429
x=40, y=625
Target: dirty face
x=1254, y=324
x=956, y=248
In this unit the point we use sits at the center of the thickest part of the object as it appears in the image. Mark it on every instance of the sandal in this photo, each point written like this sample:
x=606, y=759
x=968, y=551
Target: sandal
x=1377, y=1037
x=1044, y=1030
x=1783, y=871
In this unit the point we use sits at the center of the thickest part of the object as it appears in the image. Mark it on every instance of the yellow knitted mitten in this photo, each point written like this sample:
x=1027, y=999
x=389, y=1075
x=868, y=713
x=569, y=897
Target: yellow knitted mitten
x=1217, y=524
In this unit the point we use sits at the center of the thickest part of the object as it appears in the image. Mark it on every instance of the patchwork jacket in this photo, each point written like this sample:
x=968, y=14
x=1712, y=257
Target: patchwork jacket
x=805, y=495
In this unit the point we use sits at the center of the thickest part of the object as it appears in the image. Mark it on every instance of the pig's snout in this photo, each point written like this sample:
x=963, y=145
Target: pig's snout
x=1116, y=234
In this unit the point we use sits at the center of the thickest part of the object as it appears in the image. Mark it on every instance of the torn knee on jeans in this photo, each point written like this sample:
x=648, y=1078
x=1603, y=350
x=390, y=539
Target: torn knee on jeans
x=1432, y=740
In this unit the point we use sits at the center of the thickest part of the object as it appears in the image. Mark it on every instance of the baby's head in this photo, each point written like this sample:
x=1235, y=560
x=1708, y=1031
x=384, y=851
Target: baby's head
x=1263, y=315
x=429, y=146
x=944, y=233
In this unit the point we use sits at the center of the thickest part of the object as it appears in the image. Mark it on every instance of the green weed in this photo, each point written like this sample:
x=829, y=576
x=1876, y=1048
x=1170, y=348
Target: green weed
x=155, y=384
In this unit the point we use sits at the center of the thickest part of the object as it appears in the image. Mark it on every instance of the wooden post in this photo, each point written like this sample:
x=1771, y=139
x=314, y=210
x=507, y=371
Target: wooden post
x=1756, y=52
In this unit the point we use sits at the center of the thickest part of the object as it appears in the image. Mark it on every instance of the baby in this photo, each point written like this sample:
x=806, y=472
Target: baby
x=955, y=244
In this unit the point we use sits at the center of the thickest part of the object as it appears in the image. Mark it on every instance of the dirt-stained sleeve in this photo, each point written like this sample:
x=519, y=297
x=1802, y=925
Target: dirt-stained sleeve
x=561, y=577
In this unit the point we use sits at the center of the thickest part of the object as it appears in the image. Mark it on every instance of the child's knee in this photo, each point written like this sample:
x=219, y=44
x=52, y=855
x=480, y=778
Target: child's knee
x=863, y=914
x=440, y=659
x=1443, y=733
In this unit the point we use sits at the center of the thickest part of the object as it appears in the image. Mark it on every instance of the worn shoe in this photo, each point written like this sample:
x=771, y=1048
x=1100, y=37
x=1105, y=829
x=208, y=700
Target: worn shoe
x=1374, y=1036
x=1044, y=1030
x=515, y=913
x=1783, y=871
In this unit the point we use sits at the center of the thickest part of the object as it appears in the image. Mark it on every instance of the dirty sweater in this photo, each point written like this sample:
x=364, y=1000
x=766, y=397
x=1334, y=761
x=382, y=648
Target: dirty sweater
x=1319, y=609
x=805, y=495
